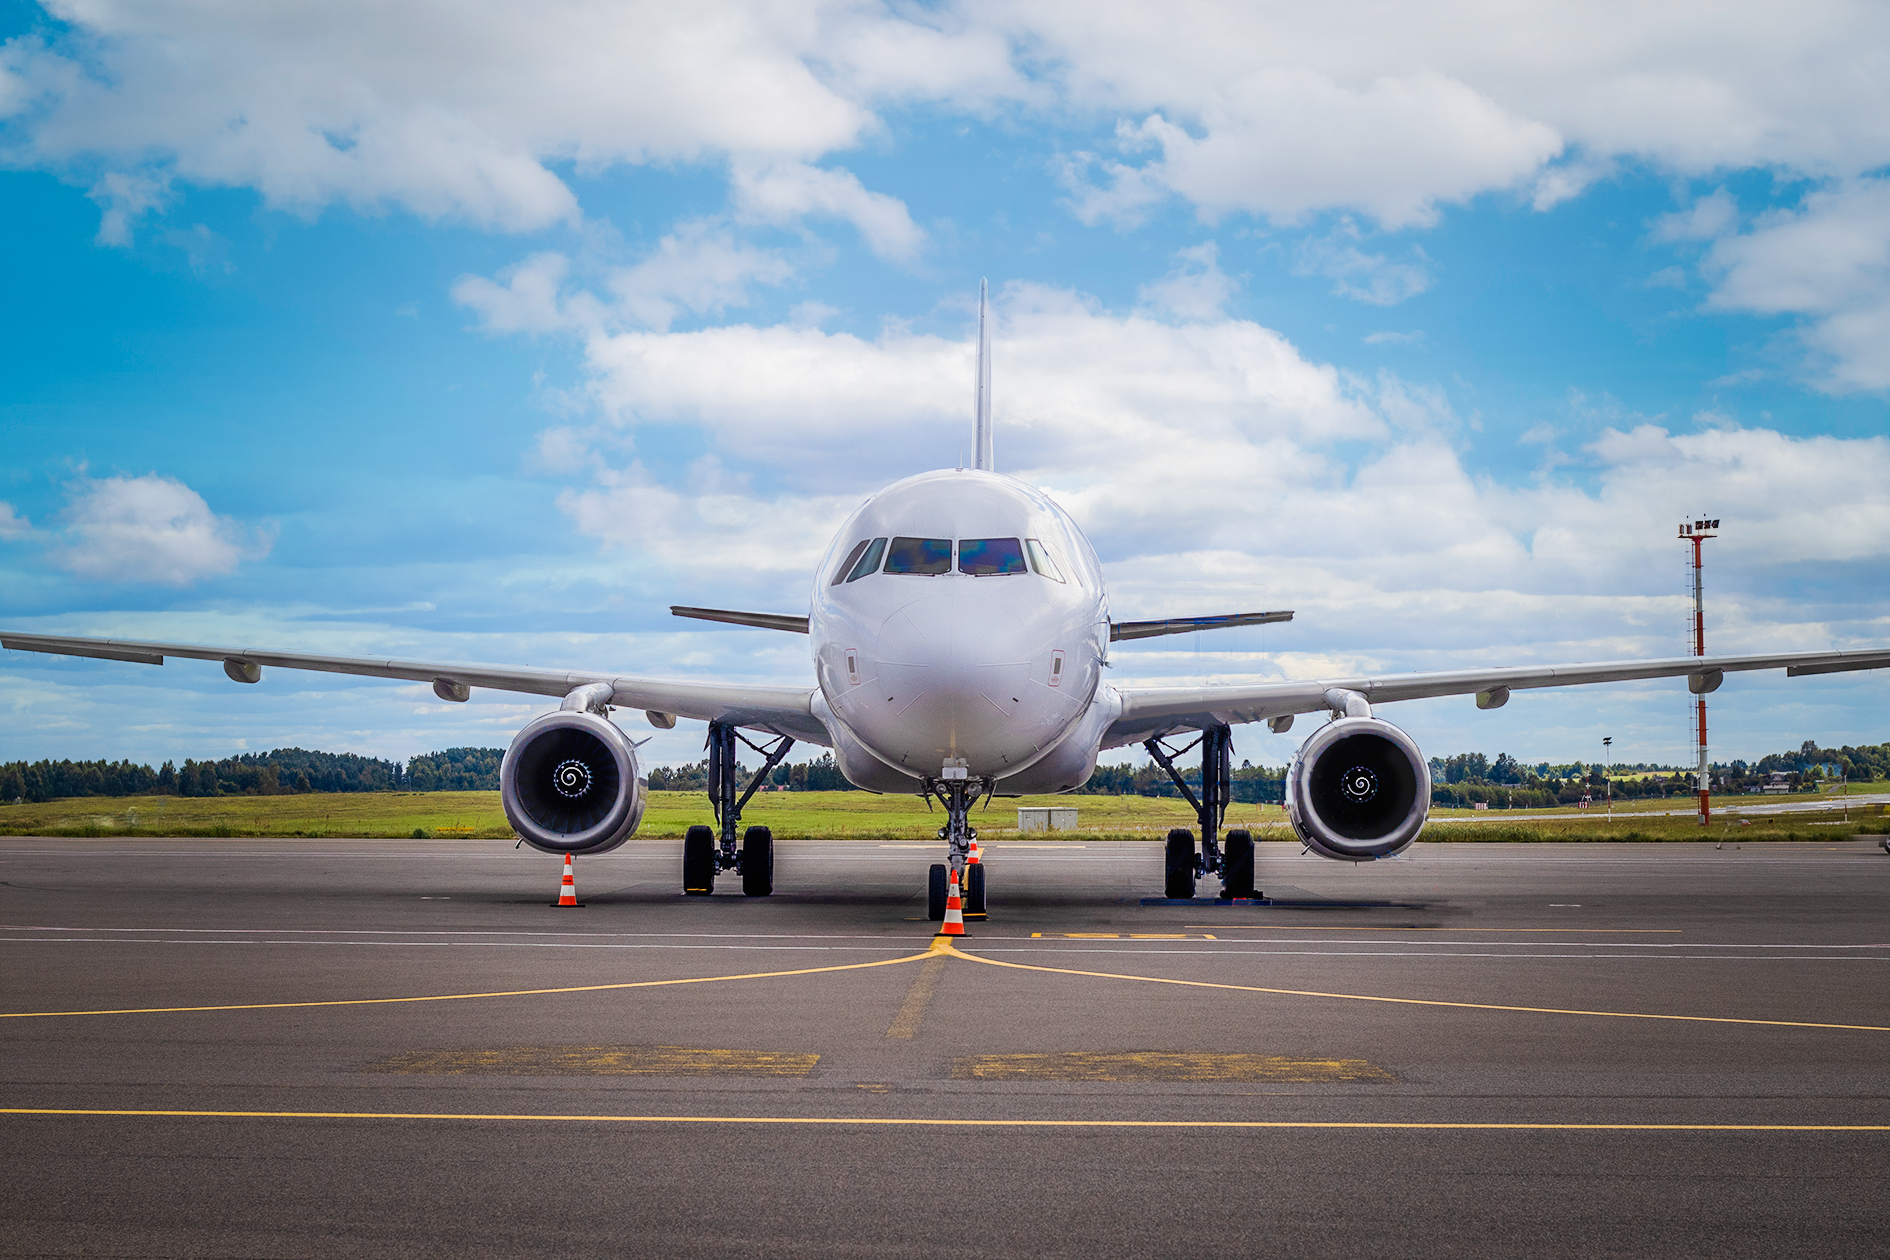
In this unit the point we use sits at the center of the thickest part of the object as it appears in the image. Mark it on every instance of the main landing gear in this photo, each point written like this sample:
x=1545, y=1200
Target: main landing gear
x=1234, y=861
x=702, y=855
x=957, y=791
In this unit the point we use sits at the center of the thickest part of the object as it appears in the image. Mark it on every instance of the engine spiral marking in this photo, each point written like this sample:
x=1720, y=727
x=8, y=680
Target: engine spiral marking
x=571, y=778
x=1359, y=784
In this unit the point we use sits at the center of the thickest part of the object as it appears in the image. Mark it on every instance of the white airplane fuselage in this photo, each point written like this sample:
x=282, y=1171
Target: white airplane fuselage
x=960, y=616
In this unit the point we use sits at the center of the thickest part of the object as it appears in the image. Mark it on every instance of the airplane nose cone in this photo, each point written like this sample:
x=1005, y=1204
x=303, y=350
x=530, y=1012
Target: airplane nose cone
x=954, y=682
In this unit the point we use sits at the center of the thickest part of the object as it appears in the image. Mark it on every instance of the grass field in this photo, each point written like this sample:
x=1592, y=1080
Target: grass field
x=861, y=816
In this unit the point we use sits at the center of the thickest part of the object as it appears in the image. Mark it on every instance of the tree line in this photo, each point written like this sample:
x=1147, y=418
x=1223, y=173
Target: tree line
x=1462, y=780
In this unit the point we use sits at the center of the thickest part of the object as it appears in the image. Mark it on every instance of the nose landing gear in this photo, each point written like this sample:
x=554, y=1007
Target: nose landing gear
x=957, y=791
x=1182, y=865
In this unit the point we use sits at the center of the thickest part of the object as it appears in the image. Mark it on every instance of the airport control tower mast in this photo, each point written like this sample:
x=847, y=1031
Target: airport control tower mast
x=1696, y=533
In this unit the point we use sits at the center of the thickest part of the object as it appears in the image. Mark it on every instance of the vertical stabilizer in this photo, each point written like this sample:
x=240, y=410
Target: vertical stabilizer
x=981, y=445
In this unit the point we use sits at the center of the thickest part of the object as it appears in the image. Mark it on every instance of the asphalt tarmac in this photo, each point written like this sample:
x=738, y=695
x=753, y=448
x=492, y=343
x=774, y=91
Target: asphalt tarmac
x=337, y=1047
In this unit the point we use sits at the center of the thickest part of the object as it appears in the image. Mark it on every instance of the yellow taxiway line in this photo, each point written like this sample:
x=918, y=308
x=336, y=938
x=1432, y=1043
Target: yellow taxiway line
x=463, y=997
x=944, y=944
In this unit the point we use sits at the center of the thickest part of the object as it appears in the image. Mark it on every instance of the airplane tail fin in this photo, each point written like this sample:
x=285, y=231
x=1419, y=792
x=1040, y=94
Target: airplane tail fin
x=982, y=454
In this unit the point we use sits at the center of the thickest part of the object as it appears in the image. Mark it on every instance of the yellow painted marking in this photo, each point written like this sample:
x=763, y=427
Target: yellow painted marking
x=948, y=1122
x=1116, y=936
x=906, y=1023
x=1365, y=997
x=596, y=1061
x=462, y=997
x=1152, y=1065
x=1280, y=927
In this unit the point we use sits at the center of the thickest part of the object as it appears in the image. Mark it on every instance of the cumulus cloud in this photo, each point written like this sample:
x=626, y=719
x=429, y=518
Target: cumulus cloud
x=1828, y=261
x=465, y=109
x=149, y=529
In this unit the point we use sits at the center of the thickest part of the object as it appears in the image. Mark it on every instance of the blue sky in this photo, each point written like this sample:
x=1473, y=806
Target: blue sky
x=485, y=332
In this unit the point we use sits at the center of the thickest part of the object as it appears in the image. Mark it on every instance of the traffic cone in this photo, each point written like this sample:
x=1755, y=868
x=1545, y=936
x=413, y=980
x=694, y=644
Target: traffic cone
x=974, y=859
x=567, y=893
x=954, y=910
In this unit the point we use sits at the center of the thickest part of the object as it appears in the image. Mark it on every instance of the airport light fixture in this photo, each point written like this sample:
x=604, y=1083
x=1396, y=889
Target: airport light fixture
x=1704, y=681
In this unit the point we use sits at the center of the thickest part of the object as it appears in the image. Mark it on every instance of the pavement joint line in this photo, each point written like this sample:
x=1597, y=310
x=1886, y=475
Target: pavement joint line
x=956, y=1122
x=944, y=944
x=460, y=997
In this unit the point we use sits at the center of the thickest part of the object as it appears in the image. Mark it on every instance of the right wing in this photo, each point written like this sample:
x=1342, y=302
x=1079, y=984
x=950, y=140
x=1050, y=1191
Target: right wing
x=782, y=710
x=1150, y=711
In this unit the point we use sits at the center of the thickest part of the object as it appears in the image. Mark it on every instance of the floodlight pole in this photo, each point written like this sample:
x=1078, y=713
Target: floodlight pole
x=1607, y=745
x=1696, y=533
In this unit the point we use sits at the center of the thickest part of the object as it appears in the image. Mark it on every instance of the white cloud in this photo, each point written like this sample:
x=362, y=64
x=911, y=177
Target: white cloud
x=12, y=524
x=1828, y=261
x=150, y=529
x=126, y=198
x=1386, y=337
x=1374, y=278
x=699, y=269
x=1393, y=148
x=784, y=192
x=1197, y=288
x=1708, y=218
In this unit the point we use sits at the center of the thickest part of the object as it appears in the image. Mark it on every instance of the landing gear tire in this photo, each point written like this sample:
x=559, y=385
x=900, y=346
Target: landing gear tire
x=698, y=862
x=1179, y=885
x=935, y=893
x=757, y=862
x=974, y=890
x=1237, y=864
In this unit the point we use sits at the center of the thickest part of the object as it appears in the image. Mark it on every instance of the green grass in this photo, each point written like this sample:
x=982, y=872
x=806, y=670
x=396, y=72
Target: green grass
x=852, y=816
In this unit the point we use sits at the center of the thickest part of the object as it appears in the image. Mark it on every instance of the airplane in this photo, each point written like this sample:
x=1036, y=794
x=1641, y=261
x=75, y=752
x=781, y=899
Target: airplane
x=960, y=630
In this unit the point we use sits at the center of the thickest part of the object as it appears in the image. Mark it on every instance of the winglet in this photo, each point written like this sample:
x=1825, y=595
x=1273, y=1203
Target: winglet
x=981, y=447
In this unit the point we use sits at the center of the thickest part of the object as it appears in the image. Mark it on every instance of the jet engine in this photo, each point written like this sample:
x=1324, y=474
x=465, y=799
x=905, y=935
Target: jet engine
x=1358, y=789
x=569, y=784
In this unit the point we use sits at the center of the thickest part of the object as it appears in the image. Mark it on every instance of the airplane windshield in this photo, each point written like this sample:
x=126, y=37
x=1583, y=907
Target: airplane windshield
x=846, y=566
x=1040, y=560
x=928, y=556
x=982, y=557
x=868, y=562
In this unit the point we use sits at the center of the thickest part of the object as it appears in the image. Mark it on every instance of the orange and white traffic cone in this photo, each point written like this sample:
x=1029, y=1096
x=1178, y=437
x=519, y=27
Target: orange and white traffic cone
x=567, y=892
x=974, y=859
x=954, y=910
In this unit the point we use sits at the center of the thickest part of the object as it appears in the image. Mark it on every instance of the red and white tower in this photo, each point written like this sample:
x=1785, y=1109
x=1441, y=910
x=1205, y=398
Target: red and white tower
x=1697, y=533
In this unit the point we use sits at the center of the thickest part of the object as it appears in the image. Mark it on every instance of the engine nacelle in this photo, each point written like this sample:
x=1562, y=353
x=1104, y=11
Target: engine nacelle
x=569, y=784
x=1358, y=789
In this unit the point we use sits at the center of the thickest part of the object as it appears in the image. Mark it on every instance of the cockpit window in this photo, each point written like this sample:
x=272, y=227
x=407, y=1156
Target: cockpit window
x=982, y=557
x=846, y=566
x=1040, y=560
x=869, y=562
x=928, y=556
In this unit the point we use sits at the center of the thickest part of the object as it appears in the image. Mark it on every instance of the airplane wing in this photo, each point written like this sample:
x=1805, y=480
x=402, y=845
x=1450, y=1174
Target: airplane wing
x=1148, y=711
x=782, y=710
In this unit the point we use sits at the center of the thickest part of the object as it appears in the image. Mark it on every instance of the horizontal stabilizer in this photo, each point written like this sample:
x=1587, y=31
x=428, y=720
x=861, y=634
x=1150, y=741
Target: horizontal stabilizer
x=763, y=621
x=1182, y=625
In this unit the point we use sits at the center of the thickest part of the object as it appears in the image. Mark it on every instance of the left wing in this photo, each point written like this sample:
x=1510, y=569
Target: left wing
x=783, y=710
x=1150, y=711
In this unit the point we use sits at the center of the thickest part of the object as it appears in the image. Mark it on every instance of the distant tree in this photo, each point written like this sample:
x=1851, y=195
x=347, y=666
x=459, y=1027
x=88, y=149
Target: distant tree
x=12, y=785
